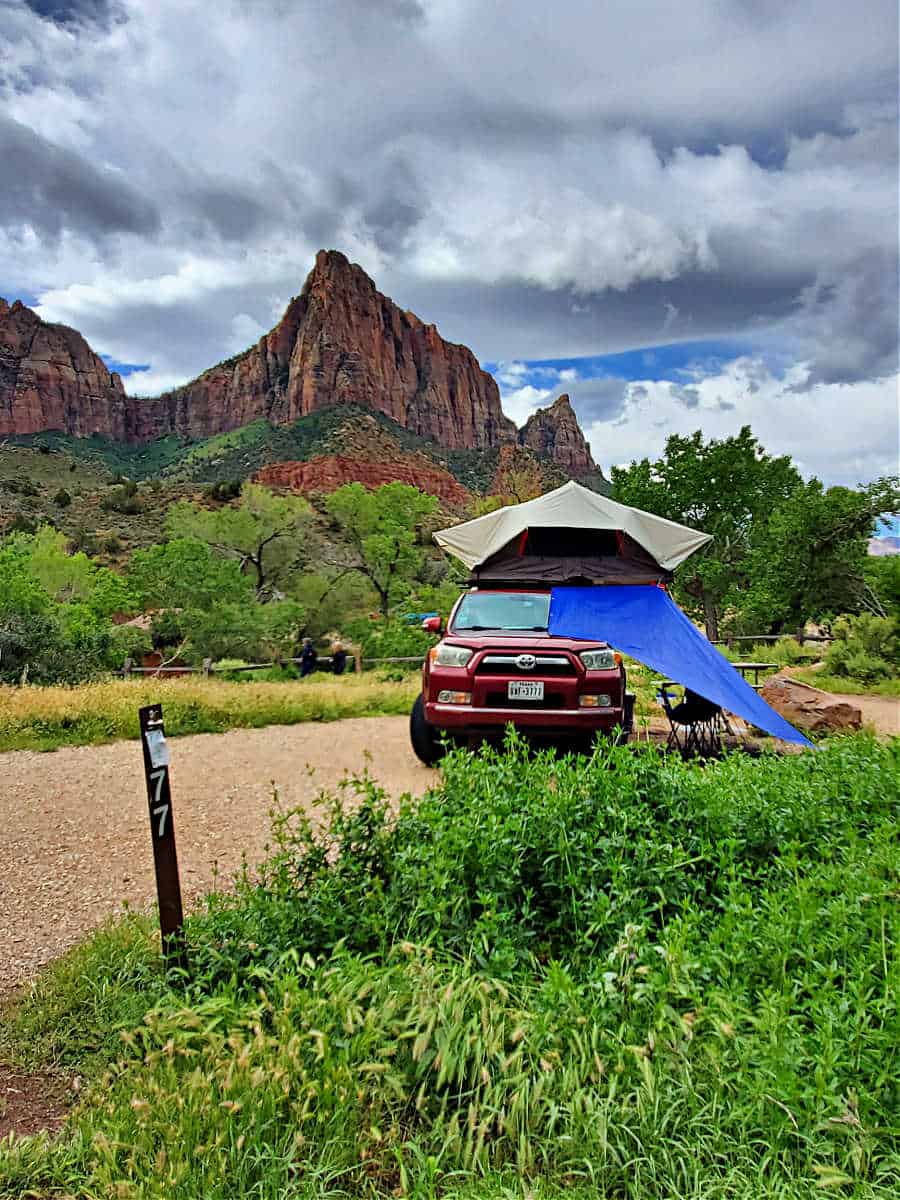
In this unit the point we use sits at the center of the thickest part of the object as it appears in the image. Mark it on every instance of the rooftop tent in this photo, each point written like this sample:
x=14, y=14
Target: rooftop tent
x=571, y=534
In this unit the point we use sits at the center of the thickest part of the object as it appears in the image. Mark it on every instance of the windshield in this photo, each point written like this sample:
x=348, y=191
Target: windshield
x=503, y=610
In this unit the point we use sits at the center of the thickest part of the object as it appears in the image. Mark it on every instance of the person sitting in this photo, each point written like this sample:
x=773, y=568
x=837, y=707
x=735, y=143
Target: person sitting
x=338, y=658
x=308, y=658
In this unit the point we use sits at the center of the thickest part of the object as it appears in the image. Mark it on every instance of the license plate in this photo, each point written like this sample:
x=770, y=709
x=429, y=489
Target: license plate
x=525, y=690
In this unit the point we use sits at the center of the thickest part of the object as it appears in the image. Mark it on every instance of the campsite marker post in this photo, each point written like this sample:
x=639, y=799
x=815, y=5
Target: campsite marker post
x=162, y=833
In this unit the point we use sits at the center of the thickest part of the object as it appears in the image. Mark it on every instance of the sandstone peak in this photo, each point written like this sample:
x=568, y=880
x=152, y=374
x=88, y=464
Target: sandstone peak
x=50, y=378
x=339, y=342
x=555, y=433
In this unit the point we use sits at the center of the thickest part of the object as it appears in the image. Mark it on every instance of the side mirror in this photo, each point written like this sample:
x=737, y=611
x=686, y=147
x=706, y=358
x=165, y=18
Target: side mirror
x=432, y=625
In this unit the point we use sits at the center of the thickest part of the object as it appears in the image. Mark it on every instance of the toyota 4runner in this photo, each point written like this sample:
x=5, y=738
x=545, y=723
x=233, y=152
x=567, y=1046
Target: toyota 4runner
x=496, y=665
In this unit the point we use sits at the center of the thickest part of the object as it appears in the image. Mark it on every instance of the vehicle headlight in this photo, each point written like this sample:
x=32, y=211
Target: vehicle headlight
x=598, y=660
x=452, y=656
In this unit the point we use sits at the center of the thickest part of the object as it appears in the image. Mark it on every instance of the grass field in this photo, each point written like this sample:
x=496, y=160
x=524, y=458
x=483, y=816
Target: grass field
x=622, y=977
x=43, y=718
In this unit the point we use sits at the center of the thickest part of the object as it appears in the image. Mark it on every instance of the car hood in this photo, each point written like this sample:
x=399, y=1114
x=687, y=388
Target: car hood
x=533, y=641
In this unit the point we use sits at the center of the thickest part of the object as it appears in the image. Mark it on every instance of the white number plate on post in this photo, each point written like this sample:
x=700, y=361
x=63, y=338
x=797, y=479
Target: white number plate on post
x=520, y=690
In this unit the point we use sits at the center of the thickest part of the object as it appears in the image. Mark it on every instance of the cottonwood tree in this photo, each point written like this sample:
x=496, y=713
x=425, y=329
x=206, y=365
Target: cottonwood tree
x=264, y=532
x=725, y=488
x=186, y=573
x=381, y=533
x=809, y=558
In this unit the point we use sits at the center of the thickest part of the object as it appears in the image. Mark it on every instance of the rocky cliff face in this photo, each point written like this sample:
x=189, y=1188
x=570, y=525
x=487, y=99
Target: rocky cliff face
x=339, y=342
x=51, y=379
x=554, y=433
x=326, y=473
x=342, y=342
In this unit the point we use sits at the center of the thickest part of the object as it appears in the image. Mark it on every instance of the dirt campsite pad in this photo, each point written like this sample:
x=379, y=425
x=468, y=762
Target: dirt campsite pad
x=76, y=849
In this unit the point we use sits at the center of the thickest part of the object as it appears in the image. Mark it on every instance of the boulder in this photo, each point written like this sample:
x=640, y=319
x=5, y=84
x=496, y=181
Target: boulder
x=807, y=707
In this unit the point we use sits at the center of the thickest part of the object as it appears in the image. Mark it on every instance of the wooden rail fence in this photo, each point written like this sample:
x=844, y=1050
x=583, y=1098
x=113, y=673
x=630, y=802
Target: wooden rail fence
x=209, y=667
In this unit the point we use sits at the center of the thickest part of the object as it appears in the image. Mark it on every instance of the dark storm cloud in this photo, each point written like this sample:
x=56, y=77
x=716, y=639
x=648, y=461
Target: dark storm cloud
x=51, y=189
x=72, y=12
x=849, y=324
x=544, y=186
x=393, y=203
x=498, y=320
x=232, y=215
x=597, y=399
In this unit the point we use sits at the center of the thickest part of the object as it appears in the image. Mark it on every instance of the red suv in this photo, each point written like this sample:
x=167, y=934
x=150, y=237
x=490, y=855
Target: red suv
x=497, y=665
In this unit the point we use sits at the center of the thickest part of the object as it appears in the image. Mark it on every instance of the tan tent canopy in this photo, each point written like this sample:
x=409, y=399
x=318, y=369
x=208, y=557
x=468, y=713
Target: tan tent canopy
x=586, y=535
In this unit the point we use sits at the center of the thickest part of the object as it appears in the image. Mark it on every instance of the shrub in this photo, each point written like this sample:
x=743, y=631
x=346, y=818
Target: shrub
x=226, y=490
x=62, y=499
x=636, y=979
x=519, y=856
x=388, y=639
x=866, y=647
x=122, y=500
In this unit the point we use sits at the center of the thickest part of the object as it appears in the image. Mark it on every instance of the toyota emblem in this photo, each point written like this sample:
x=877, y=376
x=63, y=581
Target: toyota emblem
x=526, y=662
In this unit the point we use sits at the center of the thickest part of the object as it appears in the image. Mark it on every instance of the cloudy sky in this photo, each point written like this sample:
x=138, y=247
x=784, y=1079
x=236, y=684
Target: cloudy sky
x=684, y=215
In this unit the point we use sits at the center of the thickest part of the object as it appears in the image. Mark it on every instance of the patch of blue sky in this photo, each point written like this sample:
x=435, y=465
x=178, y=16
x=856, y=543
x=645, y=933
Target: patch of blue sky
x=677, y=361
x=888, y=527
x=124, y=369
x=11, y=293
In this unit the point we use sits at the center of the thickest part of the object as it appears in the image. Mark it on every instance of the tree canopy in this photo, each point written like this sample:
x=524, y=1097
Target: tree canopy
x=381, y=534
x=264, y=533
x=783, y=550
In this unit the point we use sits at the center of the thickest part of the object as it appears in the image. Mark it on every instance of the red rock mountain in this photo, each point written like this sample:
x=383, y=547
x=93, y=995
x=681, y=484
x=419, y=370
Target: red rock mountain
x=50, y=378
x=554, y=432
x=326, y=473
x=339, y=342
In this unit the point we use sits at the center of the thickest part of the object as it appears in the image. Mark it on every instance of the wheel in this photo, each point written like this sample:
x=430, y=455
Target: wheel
x=424, y=737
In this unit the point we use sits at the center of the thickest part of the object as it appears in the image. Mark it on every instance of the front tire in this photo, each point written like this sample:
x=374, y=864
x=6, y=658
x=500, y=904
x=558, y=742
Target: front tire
x=426, y=741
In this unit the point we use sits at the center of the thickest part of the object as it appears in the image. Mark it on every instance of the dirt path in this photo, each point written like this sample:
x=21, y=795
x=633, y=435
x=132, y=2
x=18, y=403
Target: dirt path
x=881, y=712
x=75, y=842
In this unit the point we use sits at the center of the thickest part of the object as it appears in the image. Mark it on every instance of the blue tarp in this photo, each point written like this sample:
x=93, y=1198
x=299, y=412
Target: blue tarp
x=646, y=623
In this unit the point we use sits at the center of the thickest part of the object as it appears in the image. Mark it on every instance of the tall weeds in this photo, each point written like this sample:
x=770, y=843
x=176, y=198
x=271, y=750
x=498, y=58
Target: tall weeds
x=42, y=718
x=618, y=977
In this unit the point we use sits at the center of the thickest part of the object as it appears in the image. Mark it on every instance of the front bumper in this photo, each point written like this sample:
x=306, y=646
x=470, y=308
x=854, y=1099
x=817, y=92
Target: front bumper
x=466, y=718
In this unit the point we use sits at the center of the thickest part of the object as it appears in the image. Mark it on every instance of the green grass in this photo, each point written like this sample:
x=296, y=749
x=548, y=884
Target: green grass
x=45, y=718
x=847, y=686
x=137, y=461
x=625, y=977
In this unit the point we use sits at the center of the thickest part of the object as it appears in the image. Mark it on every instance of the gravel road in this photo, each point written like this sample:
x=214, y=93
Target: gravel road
x=75, y=842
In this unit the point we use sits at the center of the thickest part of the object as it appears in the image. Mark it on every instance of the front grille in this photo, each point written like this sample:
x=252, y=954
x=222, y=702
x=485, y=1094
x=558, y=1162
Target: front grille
x=545, y=666
x=501, y=700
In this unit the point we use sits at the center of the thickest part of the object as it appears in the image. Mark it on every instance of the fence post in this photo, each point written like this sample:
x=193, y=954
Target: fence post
x=162, y=833
x=357, y=661
x=126, y=667
x=207, y=667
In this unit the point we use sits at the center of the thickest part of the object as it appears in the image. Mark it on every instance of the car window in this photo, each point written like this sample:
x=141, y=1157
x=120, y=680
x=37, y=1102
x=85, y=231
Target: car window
x=503, y=610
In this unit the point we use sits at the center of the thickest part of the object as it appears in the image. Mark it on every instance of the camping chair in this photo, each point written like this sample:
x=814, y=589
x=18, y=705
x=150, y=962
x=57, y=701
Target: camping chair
x=696, y=725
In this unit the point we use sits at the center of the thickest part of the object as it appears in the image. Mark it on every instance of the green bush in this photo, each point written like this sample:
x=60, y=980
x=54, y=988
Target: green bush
x=388, y=639
x=519, y=855
x=623, y=978
x=62, y=499
x=866, y=648
x=123, y=499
